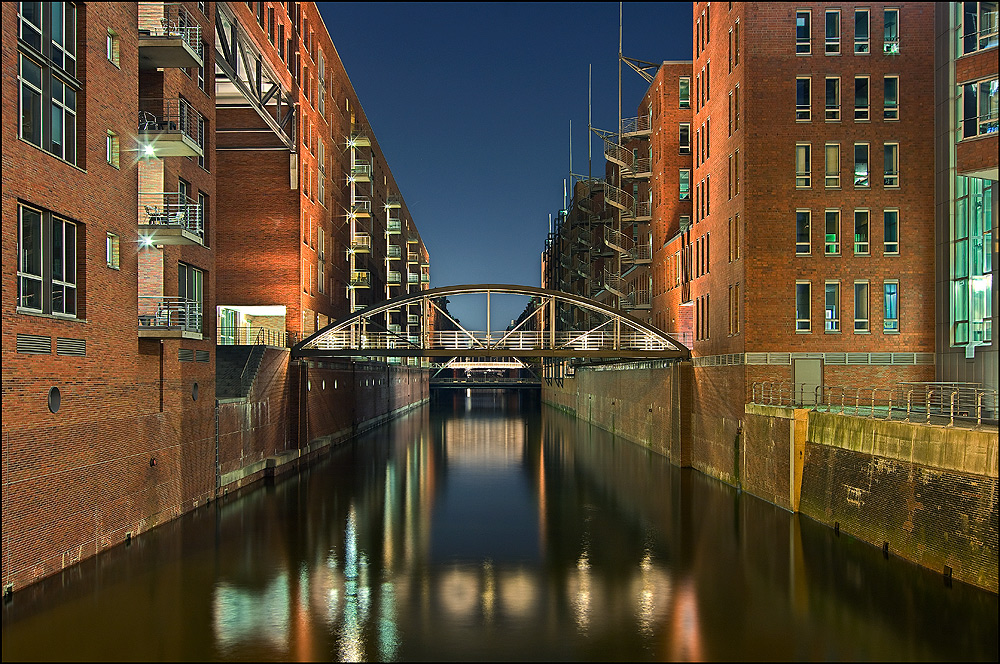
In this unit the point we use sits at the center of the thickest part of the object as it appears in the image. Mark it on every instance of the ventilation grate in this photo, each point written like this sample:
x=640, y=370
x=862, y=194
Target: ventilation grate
x=185, y=355
x=73, y=347
x=201, y=356
x=34, y=344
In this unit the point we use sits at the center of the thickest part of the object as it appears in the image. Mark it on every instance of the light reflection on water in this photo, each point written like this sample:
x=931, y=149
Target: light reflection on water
x=489, y=528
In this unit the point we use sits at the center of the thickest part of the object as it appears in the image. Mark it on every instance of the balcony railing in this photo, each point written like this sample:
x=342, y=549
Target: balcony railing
x=394, y=251
x=157, y=313
x=161, y=212
x=393, y=278
x=170, y=128
x=412, y=257
x=361, y=171
x=362, y=207
x=249, y=335
x=359, y=139
x=168, y=36
x=638, y=125
x=425, y=278
x=412, y=319
x=393, y=226
x=360, y=278
x=361, y=243
x=413, y=278
x=393, y=202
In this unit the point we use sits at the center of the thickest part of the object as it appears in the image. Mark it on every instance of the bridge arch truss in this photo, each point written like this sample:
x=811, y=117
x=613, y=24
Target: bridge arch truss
x=541, y=333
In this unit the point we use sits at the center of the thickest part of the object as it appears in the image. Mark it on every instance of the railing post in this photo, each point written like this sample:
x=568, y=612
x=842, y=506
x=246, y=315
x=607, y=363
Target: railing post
x=909, y=396
x=871, y=414
x=979, y=409
x=951, y=407
x=927, y=403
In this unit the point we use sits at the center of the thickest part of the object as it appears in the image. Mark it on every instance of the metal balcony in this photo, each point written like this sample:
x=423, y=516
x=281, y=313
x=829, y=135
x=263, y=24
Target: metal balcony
x=642, y=211
x=361, y=243
x=359, y=139
x=393, y=226
x=394, y=251
x=412, y=257
x=412, y=319
x=393, y=278
x=642, y=168
x=620, y=199
x=169, y=317
x=637, y=299
x=362, y=207
x=639, y=126
x=169, y=218
x=361, y=171
x=169, y=37
x=170, y=128
x=360, y=279
x=393, y=202
x=425, y=278
x=413, y=278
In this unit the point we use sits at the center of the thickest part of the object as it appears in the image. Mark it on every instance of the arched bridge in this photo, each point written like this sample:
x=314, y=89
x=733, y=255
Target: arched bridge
x=541, y=331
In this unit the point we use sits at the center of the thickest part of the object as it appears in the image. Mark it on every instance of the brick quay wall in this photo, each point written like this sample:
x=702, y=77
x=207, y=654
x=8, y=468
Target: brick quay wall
x=928, y=491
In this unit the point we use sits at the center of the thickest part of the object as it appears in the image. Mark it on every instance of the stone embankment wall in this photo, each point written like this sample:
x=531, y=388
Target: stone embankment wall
x=928, y=493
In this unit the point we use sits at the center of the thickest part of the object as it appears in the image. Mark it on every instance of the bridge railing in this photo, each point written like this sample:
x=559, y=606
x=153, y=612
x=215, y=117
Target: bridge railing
x=931, y=403
x=518, y=340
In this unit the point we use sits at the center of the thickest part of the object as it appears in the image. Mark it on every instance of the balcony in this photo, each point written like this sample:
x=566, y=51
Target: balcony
x=425, y=278
x=393, y=226
x=360, y=279
x=639, y=126
x=393, y=202
x=637, y=299
x=169, y=218
x=642, y=211
x=169, y=318
x=393, y=278
x=359, y=139
x=362, y=207
x=393, y=251
x=412, y=257
x=169, y=37
x=170, y=128
x=413, y=278
x=412, y=319
x=361, y=243
x=361, y=171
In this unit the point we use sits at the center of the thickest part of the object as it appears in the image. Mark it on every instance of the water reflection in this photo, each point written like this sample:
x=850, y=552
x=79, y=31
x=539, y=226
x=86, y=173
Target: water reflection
x=490, y=528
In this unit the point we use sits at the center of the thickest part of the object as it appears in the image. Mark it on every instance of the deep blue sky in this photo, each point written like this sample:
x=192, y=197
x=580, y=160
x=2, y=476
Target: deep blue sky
x=472, y=102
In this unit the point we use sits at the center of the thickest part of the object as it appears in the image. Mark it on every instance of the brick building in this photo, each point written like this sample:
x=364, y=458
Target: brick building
x=149, y=177
x=965, y=93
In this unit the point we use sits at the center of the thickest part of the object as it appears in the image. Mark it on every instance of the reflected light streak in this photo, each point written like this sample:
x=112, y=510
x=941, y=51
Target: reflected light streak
x=458, y=591
x=351, y=642
x=518, y=593
x=685, y=631
x=240, y=615
x=652, y=590
x=579, y=592
x=489, y=590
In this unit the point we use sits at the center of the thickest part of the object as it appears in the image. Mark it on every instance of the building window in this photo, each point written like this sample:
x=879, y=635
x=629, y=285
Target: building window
x=890, y=234
x=979, y=104
x=202, y=141
x=201, y=69
x=833, y=98
x=46, y=73
x=861, y=313
x=736, y=172
x=972, y=262
x=833, y=32
x=861, y=232
x=861, y=36
x=862, y=102
x=803, y=320
x=190, y=284
x=831, y=307
x=734, y=239
x=685, y=184
x=832, y=165
x=890, y=306
x=890, y=43
x=113, y=251
x=802, y=232
x=803, y=104
x=113, y=48
x=735, y=309
x=890, y=98
x=113, y=149
x=685, y=91
x=708, y=138
x=803, y=178
x=46, y=262
x=736, y=108
x=977, y=26
x=685, y=138
x=736, y=44
x=803, y=44
x=832, y=233
x=203, y=217
x=861, y=179
x=891, y=165
x=321, y=259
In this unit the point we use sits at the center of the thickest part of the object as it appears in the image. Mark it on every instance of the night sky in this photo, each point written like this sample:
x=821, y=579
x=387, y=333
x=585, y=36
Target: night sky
x=472, y=102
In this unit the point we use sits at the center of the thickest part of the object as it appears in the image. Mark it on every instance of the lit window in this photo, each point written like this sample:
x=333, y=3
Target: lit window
x=861, y=37
x=190, y=281
x=113, y=251
x=832, y=233
x=803, y=178
x=833, y=98
x=890, y=227
x=979, y=104
x=46, y=262
x=890, y=306
x=861, y=244
x=803, y=320
x=803, y=236
x=890, y=43
x=890, y=103
x=977, y=26
x=803, y=104
x=862, y=102
x=833, y=32
x=832, y=165
x=831, y=307
x=891, y=165
x=803, y=44
x=861, y=179
x=685, y=184
x=112, y=149
x=861, y=313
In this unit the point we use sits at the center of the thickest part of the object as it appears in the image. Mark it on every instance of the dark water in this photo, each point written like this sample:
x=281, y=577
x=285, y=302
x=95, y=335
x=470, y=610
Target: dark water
x=494, y=528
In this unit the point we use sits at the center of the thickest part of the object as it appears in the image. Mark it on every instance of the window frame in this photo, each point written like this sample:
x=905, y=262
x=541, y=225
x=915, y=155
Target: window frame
x=803, y=296
x=52, y=276
x=831, y=45
x=890, y=113
x=803, y=178
x=831, y=180
x=803, y=232
x=887, y=42
x=113, y=251
x=863, y=46
x=803, y=44
x=862, y=247
x=832, y=113
x=890, y=247
x=862, y=113
x=831, y=247
x=112, y=149
x=803, y=112
x=113, y=48
x=890, y=159
x=683, y=147
x=866, y=181
x=862, y=307
x=890, y=324
x=685, y=193
x=684, y=97
x=831, y=322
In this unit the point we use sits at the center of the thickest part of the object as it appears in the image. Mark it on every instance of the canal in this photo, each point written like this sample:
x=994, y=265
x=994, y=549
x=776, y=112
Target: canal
x=487, y=526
